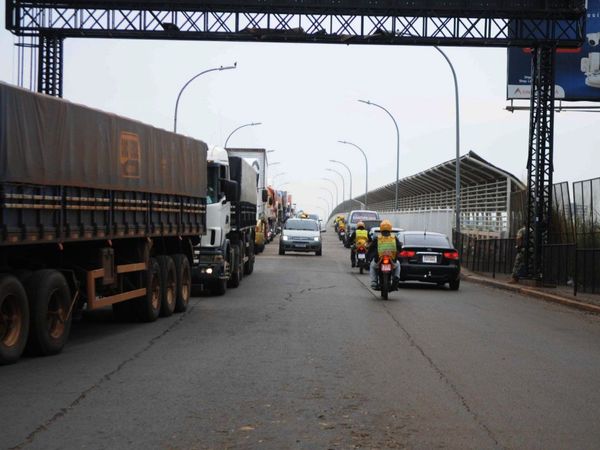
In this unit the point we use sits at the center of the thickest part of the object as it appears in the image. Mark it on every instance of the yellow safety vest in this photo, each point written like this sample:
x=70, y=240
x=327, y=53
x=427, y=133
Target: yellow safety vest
x=387, y=245
x=362, y=236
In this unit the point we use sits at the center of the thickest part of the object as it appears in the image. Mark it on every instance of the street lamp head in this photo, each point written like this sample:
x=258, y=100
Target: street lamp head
x=253, y=124
x=366, y=102
x=343, y=142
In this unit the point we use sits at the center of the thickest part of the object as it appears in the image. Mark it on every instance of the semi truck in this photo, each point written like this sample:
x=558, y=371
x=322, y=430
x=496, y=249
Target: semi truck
x=96, y=211
x=226, y=253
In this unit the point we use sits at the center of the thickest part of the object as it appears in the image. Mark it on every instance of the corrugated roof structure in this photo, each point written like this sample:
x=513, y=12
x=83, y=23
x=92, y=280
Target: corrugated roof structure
x=485, y=193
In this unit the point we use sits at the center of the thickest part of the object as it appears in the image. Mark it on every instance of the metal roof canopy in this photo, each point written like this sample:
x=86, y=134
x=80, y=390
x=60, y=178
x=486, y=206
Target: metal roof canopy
x=441, y=178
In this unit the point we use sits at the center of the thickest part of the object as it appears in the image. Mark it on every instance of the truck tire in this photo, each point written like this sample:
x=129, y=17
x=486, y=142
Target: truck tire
x=14, y=319
x=249, y=265
x=49, y=312
x=168, y=285
x=183, y=275
x=148, y=306
x=236, y=270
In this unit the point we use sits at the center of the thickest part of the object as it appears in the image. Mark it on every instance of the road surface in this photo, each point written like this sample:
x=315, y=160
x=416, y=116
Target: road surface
x=304, y=356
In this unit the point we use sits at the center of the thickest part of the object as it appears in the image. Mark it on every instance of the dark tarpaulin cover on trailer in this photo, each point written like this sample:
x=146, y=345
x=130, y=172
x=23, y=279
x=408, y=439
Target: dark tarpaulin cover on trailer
x=50, y=141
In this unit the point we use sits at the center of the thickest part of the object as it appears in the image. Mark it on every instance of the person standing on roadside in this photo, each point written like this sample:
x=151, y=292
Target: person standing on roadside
x=520, y=242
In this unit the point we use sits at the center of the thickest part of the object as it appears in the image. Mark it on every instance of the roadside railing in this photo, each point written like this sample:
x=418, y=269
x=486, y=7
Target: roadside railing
x=564, y=264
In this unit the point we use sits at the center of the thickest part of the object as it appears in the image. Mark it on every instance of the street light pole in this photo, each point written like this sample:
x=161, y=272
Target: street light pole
x=337, y=197
x=253, y=124
x=457, y=163
x=367, y=102
x=349, y=173
x=330, y=193
x=188, y=82
x=366, y=168
x=343, y=183
x=327, y=203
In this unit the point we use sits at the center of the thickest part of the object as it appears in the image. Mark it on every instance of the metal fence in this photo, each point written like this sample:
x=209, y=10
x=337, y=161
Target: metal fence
x=563, y=264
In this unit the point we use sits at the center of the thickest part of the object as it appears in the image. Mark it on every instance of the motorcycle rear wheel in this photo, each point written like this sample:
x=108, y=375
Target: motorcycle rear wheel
x=385, y=285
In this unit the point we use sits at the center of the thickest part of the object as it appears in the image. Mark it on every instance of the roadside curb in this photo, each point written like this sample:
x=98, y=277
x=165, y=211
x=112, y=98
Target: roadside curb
x=532, y=292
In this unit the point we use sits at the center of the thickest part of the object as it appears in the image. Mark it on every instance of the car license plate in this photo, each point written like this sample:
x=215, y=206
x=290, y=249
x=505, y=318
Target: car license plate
x=386, y=267
x=301, y=245
x=361, y=256
x=430, y=259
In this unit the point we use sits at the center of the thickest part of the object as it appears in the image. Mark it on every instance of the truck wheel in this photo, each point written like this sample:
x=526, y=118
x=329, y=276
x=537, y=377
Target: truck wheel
x=168, y=285
x=236, y=270
x=148, y=306
x=50, y=312
x=249, y=265
x=183, y=276
x=14, y=319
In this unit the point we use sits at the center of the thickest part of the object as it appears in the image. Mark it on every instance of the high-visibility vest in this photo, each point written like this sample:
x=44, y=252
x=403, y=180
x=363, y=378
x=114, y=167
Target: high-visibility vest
x=387, y=245
x=362, y=236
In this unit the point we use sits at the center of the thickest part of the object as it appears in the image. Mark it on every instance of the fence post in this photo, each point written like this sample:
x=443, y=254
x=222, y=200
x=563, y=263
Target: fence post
x=494, y=258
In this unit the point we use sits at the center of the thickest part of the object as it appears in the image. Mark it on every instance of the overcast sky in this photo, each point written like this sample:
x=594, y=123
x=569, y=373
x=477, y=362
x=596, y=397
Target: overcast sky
x=306, y=97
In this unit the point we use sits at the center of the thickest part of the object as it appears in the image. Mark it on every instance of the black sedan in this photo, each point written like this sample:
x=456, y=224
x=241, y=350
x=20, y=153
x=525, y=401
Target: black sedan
x=430, y=258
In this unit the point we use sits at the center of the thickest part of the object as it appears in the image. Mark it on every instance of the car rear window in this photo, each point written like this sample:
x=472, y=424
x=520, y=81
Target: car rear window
x=358, y=216
x=426, y=240
x=308, y=225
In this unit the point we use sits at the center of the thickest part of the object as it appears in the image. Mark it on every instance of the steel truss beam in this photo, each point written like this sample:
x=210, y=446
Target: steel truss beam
x=539, y=163
x=50, y=65
x=266, y=24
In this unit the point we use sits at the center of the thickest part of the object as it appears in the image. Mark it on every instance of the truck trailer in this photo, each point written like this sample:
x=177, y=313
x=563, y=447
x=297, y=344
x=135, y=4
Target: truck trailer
x=96, y=210
x=226, y=253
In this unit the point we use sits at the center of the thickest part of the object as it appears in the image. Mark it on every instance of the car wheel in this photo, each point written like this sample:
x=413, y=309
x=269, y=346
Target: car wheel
x=319, y=252
x=281, y=251
x=454, y=285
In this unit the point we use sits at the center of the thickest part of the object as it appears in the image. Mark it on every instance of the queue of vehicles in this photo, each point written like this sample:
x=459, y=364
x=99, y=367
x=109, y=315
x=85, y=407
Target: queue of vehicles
x=425, y=256
x=100, y=210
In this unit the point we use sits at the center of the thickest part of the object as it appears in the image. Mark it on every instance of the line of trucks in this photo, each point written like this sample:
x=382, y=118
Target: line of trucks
x=98, y=210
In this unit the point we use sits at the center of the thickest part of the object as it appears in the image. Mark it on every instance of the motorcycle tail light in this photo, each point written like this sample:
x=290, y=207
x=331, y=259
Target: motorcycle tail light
x=386, y=260
x=451, y=255
x=407, y=254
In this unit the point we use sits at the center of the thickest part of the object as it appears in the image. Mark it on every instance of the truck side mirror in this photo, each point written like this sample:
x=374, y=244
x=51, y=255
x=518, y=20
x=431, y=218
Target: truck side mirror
x=231, y=190
x=265, y=195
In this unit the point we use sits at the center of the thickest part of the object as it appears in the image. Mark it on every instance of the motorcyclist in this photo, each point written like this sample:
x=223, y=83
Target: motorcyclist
x=387, y=243
x=359, y=237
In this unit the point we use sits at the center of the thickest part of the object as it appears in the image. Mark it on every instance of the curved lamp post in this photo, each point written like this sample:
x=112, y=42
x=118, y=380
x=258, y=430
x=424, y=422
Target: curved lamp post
x=253, y=124
x=457, y=175
x=343, y=183
x=330, y=194
x=349, y=173
x=366, y=167
x=367, y=102
x=337, y=198
x=188, y=82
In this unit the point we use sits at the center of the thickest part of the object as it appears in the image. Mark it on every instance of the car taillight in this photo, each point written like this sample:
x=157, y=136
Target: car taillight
x=451, y=255
x=407, y=254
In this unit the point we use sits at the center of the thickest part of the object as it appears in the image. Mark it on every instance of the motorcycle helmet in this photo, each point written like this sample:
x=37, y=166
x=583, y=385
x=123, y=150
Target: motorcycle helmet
x=385, y=225
x=360, y=224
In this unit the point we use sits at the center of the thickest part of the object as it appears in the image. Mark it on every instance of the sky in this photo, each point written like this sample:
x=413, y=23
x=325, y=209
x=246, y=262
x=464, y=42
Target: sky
x=305, y=96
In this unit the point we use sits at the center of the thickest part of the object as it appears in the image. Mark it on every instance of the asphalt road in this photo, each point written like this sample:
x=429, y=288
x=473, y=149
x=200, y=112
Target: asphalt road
x=304, y=356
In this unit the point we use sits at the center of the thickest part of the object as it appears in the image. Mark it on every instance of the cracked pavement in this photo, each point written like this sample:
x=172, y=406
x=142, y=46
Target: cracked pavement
x=304, y=355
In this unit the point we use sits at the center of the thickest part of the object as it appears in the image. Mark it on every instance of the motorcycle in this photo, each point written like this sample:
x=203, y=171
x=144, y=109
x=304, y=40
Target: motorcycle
x=385, y=267
x=342, y=235
x=361, y=258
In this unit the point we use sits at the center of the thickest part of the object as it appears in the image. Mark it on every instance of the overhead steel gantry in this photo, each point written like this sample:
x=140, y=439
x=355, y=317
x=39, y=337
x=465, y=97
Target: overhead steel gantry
x=540, y=24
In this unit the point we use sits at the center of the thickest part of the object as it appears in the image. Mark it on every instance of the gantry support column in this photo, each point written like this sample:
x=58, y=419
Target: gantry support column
x=539, y=163
x=50, y=65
